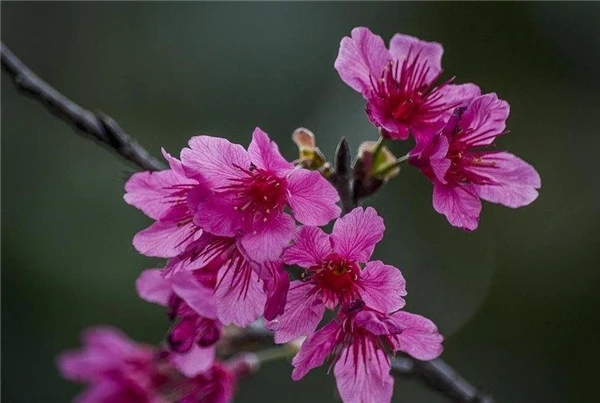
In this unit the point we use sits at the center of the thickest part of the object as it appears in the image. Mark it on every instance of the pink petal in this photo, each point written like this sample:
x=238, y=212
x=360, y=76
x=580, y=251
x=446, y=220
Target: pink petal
x=195, y=361
x=267, y=243
x=355, y=235
x=197, y=296
x=484, y=120
x=376, y=323
x=514, y=180
x=363, y=375
x=216, y=214
x=405, y=47
x=361, y=57
x=175, y=165
x=459, y=204
x=214, y=159
x=315, y=349
x=265, y=154
x=382, y=287
x=302, y=314
x=276, y=282
x=151, y=286
x=312, y=198
x=239, y=295
x=150, y=191
x=165, y=239
x=419, y=337
x=311, y=246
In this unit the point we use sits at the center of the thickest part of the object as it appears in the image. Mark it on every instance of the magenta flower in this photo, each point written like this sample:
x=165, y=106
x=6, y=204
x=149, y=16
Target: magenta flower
x=334, y=275
x=400, y=84
x=251, y=189
x=163, y=196
x=463, y=170
x=191, y=307
x=116, y=369
x=241, y=288
x=356, y=341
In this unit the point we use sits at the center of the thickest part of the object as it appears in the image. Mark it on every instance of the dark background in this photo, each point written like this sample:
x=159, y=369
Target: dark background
x=517, y=299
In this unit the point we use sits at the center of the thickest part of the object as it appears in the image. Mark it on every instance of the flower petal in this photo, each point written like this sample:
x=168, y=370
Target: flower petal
x=363, y=375
x=195, y=361
x=406, y=47
x=312, y=198
x=315, y=349
x=267, y=242
x=382, y=287
x=276, y=283
x=302, y=314
x=214, y=159
x=151, y=286
x=265, y=154
x=165, y=239
x=150, y=191
x=419, y=337
x=361, y=57
x=484, y=120
x=355, y=235
x=216, y=214
x=514, y=180
x=311, y=246
x=239, y=294
x=197, y=296
x=459, y=204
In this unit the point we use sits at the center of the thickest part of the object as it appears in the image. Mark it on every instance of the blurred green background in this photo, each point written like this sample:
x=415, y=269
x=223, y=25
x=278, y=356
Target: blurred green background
x=517, y=299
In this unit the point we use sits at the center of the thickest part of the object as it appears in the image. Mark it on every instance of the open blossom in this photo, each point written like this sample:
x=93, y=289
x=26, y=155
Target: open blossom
x=463, y=170
x=334, y=276
x=356, y=341
x=243, y=290
x=400, y=84
x=191, y=307
x=116, y=369
x=164, y=196
x=250, y=191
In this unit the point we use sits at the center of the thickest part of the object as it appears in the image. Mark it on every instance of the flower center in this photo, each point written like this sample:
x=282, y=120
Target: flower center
x=259, y=193
x=406, y=91
x=336, y=275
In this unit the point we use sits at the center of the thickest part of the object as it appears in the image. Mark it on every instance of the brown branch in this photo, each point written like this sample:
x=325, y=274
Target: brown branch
x=98, y=126
x=436, y=374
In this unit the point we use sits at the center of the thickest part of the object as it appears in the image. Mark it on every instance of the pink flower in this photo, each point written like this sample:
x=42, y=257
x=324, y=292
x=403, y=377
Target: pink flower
x=164, y=196
x=117, y=369
x=399, y=84
x=251, y=189
x=334, y=275
x=191, y=307
x=356, y=342
x=463, y=170
x=241, y=287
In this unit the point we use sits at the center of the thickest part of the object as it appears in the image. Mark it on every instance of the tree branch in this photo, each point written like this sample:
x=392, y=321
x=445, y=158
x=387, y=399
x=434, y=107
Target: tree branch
x=436, y=374
x=97, y=125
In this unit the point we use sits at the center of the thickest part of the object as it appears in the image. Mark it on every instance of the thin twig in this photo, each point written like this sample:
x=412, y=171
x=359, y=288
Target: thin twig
x=436, y=374
x=97, y=125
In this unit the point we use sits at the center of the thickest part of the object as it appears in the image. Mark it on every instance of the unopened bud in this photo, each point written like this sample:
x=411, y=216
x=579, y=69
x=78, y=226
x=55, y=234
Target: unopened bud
x=310, y=155
x=373, y=167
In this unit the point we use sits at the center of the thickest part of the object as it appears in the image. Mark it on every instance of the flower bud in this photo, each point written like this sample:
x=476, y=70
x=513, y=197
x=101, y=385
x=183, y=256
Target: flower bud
x=371, y=171
x=310, y=155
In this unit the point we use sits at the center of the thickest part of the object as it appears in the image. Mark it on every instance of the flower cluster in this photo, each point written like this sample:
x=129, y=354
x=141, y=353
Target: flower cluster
x=241, y=232
x=453, y=125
